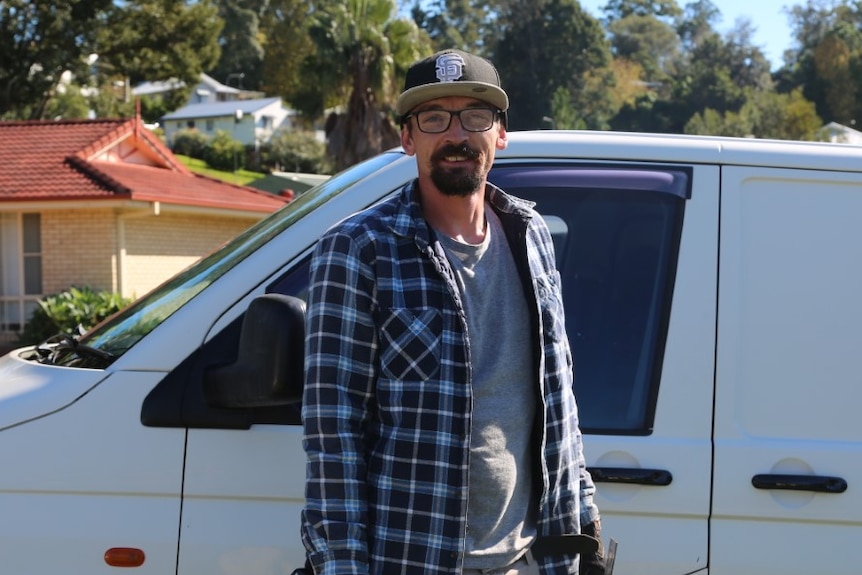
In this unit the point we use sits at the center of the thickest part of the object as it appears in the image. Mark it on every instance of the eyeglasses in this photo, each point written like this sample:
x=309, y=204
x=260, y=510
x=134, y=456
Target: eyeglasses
x=438, y=121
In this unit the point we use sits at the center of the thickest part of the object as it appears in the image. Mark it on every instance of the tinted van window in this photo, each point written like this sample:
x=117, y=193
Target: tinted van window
x=616, y=232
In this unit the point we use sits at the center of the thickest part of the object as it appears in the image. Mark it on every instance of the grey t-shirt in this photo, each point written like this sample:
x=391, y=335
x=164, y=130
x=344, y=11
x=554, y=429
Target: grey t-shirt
x=500, y=522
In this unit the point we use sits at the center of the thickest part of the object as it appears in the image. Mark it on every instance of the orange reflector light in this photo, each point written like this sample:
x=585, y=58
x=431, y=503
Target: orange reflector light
x=124, y=557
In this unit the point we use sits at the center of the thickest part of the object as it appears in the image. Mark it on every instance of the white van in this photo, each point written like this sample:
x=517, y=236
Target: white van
x=714, y=297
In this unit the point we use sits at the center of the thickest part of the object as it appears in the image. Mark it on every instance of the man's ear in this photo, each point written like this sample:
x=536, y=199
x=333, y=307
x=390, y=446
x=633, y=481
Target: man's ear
x=407, y=140
x=502, y=138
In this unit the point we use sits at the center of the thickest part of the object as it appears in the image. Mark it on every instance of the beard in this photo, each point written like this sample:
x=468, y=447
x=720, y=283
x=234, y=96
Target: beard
x=460, y=182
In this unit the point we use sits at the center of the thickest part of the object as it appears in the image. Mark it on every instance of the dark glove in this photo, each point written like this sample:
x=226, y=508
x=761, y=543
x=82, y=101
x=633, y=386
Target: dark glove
x=593, y=563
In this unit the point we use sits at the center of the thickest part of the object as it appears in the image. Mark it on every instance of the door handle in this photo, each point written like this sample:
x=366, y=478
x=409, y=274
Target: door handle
x=816, y=483
x=634, y=475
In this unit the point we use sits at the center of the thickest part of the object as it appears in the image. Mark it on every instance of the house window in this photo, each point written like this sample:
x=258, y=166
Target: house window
x=210, y=125
x=20, y=268
x=265, y=122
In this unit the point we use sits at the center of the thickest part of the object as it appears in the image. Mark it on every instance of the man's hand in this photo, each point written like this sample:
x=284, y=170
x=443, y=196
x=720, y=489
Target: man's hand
x=593, y=563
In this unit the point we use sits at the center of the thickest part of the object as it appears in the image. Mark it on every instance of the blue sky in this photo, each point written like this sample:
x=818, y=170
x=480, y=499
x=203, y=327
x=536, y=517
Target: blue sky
x=772, y=34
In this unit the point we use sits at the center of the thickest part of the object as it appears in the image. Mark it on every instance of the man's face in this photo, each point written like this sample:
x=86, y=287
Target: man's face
x=456, y=160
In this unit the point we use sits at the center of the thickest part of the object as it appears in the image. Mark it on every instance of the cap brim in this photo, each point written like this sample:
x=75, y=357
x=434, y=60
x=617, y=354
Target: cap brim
x=411, y=98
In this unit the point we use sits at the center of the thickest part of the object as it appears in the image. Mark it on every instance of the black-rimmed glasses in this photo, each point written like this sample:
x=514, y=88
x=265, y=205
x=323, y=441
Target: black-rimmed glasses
x=438, y=121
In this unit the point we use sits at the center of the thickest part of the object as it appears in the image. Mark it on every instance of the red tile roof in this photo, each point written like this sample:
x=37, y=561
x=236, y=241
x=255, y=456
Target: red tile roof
x=108, y=159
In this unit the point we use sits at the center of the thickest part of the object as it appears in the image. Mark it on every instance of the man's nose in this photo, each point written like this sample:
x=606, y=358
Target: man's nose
x=455, y=125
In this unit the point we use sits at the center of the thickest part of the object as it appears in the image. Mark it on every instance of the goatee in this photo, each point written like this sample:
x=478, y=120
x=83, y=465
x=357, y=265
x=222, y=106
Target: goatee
x=459, y=182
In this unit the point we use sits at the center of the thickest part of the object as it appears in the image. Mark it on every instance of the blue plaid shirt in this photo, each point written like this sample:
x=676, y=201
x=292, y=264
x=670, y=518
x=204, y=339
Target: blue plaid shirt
x=386, y=408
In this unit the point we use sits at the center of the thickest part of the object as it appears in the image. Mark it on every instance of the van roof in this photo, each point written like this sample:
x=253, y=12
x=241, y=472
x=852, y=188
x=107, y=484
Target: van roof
x=679, y=148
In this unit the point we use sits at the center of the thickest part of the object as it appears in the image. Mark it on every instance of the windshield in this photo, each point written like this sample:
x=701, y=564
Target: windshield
x=120, y=332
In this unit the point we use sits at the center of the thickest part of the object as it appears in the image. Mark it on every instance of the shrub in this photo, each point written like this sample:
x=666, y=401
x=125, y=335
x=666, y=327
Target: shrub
x=191, y=143
x=65, y=311
x=295, y=152
x=225, y=153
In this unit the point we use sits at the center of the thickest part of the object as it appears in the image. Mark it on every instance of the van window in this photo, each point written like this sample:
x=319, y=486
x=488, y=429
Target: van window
x=616, y=233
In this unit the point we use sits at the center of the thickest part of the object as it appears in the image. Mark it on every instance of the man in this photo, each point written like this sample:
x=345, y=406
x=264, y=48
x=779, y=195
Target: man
x=440, y=423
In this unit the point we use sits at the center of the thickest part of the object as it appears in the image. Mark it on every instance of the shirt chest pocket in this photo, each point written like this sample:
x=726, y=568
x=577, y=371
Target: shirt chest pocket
x=410, y=343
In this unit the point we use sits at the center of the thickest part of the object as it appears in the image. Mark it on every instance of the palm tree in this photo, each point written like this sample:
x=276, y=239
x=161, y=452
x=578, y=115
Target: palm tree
x=362, y=52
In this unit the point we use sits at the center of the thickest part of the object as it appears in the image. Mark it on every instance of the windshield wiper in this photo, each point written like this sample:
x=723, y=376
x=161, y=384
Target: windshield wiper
x=54, y=349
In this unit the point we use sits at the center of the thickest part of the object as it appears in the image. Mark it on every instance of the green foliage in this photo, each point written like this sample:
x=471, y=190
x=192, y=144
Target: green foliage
x=153, y=108
x=462, y=24
x=38, y=42
x=296, y=152
x=534, y=56
x=648, y=66
x=135, y=40
x=191, y=143
x=158, y=40
x=242, y=46
x=649, y=42
x=68, y=103
x=65, y=311
x=764, y=115
x=107, y=103
x=359, y=45
x=224, y=152
x=564, y=115
x=619, y=9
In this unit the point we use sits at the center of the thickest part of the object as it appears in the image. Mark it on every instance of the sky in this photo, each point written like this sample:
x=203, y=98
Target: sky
x=772, y=31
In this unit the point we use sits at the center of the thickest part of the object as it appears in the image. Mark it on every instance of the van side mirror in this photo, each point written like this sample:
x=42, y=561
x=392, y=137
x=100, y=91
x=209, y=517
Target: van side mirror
x=268, y=370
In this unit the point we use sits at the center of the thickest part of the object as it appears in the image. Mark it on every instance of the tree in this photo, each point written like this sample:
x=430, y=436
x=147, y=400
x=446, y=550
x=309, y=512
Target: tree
x=835, y=65
x=38, y=42
x=828, y=60
x=783, y=116
x=649, y=42
x=241, y=42
x=462, y=24
x=765, y=114
x=295, y=151
x=719, y=73
x=545, y=45
x=160, y=39
x=361, y=52
x=564, y=115
x=619, y=9
x=67, y=103
x=134, y=40
x=287, y=45
x=698, y=23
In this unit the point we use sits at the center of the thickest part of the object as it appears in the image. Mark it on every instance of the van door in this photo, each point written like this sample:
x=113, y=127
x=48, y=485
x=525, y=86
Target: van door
x=244, y=479
x=788, y=456
x=636, y=247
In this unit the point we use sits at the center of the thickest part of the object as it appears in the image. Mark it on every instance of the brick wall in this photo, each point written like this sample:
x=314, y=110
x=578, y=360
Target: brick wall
x=78, y=248
x=159, y=247
x=103, y=250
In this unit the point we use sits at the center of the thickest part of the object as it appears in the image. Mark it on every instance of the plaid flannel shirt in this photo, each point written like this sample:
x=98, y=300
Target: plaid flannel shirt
x=386, y=408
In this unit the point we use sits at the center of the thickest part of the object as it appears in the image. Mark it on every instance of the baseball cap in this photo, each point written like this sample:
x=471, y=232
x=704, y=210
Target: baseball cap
x=451, y=73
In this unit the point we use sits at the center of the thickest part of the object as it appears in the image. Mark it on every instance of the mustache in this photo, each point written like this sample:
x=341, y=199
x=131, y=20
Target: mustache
x=455, y=150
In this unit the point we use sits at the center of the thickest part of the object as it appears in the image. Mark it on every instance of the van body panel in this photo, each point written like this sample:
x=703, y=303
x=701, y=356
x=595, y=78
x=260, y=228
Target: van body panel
x=260, y=489
x=788, y=371
x=89, y=478
x=29, y=390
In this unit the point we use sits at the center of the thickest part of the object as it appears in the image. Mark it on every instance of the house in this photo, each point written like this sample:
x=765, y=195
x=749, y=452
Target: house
x=104, y=204
x=249, y=121
x=835, y=132
x=207, y=91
